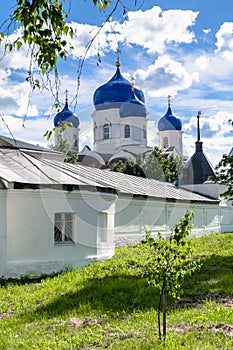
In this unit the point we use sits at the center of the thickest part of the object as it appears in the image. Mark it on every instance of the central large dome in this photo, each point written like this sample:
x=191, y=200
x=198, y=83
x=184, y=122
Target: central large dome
x=114, y=92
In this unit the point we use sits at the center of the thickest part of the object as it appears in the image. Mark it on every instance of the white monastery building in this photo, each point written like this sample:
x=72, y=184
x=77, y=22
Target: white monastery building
x=56, y=216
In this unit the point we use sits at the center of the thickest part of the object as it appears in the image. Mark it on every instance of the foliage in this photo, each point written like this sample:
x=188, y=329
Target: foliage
x=152, y=165
x=44, y=28
x=169, y=263
x=160, y=167
x=62, y=145
x=109, y=305
x=224, y=173
x=128, y=167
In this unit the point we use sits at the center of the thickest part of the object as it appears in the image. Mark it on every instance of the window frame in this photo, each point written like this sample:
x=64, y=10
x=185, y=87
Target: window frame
x=165, y=142
x=106, y=132
x=64, y=227
x=127, y=131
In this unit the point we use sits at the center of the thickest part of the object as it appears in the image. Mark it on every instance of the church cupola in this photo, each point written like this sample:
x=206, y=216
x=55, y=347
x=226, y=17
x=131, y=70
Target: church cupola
x=66, y=116
x=133, y=107
x=120, y=116
x=169, y=121
x=69, y=134
x=115, y=91
x=170, y=133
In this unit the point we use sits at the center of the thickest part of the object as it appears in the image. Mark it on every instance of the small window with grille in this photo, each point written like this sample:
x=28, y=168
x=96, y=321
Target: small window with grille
x=64, y=227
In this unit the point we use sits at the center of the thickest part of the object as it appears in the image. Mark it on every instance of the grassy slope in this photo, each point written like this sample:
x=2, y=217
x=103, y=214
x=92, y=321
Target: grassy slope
x=110, y=305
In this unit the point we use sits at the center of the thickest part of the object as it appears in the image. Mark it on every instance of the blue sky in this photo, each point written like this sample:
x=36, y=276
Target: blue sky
x=179, y=48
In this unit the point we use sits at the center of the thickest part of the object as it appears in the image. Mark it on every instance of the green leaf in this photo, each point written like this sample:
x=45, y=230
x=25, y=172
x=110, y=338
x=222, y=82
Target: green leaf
x=19, y=44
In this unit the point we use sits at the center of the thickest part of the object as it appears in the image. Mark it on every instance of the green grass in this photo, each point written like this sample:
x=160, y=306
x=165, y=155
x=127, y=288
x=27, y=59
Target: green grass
x=109, y=305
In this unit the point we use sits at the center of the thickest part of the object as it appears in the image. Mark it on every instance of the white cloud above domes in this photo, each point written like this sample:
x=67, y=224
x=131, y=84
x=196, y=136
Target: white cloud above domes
x=158, y=28
x=166, y=76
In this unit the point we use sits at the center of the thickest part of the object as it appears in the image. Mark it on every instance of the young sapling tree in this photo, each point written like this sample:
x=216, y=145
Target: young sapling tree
x=169, y=261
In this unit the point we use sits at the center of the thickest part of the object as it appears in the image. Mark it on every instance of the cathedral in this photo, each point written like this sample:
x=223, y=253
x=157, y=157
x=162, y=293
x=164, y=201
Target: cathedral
x=120, y=129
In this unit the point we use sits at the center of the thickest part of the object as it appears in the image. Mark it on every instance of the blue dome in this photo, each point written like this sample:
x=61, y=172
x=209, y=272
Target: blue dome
x=132, y=108
x=114, y=92
x=169, y=122
x=66, y=116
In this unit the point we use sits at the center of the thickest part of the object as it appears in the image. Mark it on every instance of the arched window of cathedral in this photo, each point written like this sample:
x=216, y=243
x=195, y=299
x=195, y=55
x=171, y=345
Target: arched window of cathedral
x=106, y=132
x=127, y=131
x=144, y=133
x=165, y=142
x=95, y=132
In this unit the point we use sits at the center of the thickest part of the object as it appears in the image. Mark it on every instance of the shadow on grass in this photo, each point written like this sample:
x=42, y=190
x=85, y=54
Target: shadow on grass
x=4, y=282
x=117, y=294
x=121, y=294
x=215, y=277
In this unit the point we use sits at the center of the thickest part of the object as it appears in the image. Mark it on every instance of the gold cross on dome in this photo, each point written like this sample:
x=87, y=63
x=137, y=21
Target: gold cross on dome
x=132, y=81
x=66, y=92
x=118, y=52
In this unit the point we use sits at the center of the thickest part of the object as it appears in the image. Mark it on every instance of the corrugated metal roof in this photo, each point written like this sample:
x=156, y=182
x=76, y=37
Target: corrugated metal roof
x=19, y=167
x=128, y=184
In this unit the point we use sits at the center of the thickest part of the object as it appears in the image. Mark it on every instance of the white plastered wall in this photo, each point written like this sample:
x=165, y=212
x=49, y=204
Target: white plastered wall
x=3, y=231
x=135, y=216
x=30, y=230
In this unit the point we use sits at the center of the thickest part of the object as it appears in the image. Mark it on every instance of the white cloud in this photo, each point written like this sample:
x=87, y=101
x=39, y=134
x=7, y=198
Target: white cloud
x=215, y=135
x=165, y=77
x=206, y=31
x=225, y=41
x=216, y=67
x=32, y=132
x=159, y=28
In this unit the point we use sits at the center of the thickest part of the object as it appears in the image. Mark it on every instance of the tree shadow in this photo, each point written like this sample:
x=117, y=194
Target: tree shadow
x=121, y=294
x=212, y=282
x=118, y=294
x=4, y=282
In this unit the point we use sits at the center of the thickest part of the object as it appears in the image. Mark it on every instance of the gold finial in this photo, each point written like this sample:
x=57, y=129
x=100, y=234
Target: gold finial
x=66, y=92
x=132, y=81
x=118, y=52
x=169, y=100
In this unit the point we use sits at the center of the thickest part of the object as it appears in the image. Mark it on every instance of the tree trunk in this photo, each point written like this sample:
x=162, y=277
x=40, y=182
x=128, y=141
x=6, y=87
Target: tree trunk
x=159, y=308
x=164, y=314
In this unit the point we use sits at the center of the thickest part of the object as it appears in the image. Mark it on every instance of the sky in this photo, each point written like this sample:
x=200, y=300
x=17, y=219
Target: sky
x=180, y=48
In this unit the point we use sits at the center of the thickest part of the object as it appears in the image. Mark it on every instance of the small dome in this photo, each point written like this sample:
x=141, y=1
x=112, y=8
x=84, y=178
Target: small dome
x=66, y=116
x=133, y=107
x=114, y=92
x=169, y=122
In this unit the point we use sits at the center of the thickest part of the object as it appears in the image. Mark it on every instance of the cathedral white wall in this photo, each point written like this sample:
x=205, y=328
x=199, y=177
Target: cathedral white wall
x=137, y=124
x=174, y=140
x=100, y=118
x=117, y=132
x=30, y=230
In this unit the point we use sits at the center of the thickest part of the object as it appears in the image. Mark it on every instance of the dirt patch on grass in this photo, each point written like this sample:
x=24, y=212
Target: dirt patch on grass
x=6, y=314
x=200, y=299
x=78, y=322
x=227, y=329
